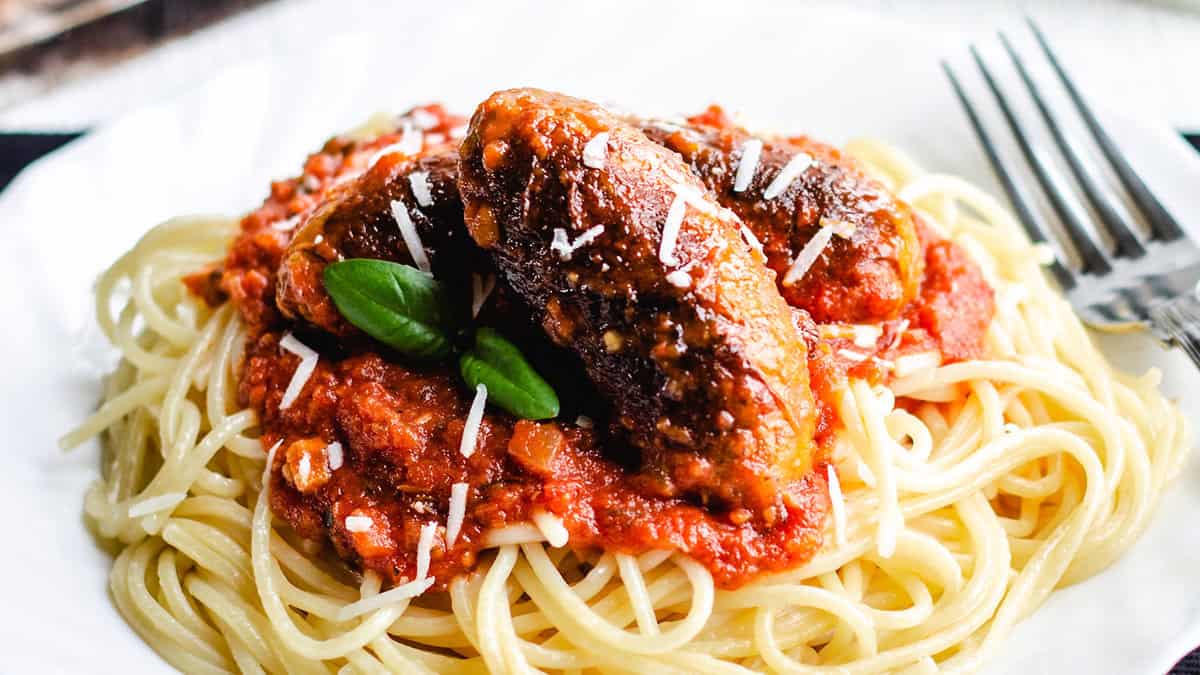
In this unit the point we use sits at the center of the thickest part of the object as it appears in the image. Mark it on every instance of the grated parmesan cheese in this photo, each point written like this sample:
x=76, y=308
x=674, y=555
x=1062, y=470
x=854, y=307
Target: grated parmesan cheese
x=596, y=151
x=842, y=228
x=748, y=164
x=412, y=239
x=303, y=470
x=425, y=548
x=551, y=527
x=335, y=456
x=790, y=171
x=565, y=248
x=410, y=143
x=457, y=512
x=390, y=597
x=419, y=182
x=670, y=231
x=359, y=523
x=474, y=421
x=807, y=256
x=308, y=364
x=752, y=240
x=696, y=199
x=680, y=279
x=163, y=502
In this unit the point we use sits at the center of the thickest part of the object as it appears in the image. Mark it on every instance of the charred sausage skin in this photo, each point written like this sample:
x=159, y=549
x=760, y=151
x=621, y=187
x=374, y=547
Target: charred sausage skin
x=699, y=356
x=869, y=273
x=356, y=221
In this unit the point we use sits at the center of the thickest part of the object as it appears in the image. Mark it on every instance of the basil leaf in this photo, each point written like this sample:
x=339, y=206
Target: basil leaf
x=396, y=304
x=511, y=382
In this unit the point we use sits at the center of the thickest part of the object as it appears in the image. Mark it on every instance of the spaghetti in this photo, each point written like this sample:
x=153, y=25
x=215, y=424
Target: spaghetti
x=965, y=494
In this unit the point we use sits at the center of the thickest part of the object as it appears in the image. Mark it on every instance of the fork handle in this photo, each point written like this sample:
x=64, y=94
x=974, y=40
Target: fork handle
x=1178, y=322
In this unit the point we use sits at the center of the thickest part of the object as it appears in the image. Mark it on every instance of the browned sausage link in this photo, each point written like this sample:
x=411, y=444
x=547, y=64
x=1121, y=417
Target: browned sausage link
x=869, y=273
x=357, y=221
x=699, y=357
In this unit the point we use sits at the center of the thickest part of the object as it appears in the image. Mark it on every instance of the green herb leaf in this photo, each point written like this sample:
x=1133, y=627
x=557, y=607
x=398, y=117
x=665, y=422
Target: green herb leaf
x=511, y=382
x=396, y=304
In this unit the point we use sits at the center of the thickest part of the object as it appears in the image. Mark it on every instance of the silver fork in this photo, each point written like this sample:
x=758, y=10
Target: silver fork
x=1147, y=279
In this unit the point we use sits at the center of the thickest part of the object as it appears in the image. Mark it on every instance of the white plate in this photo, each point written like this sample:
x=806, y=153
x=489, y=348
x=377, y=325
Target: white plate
x=214, y=148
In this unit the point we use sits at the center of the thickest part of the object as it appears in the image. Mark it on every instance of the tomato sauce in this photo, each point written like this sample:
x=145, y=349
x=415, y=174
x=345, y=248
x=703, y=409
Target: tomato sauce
x=397, y=425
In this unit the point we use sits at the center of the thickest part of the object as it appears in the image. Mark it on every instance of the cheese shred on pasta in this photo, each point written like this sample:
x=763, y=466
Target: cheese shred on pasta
x=995, y=483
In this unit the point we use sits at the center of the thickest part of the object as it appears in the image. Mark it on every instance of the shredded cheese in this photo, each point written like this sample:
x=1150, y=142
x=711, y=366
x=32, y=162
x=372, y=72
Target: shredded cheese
x=551, y=527
x=308, y=364
x=752, y=240
x=807, y=256
x=474, y=420
x=596, y=151
x=303, y=470
x=842, y=228
x=696, y=199
x=163, y=502
x=334, y=455
x=670, y=231
x=390, y=597
x=565, y=248
x=838, y=506
x=425, y=548
x=680, y=279
x=790, y=171
x=419, y=182
x=412, y=239
x=852, y=355
x=410, y=143
x=748, y=164
x=457, y=512
x=359, y=523
x=480, y=290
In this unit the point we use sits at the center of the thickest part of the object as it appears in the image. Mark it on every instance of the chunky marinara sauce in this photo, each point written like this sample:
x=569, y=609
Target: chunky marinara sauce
x=399, y=424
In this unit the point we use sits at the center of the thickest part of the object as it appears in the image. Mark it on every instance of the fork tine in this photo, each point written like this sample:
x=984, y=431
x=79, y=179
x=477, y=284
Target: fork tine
x=1119, y=228
x=1162, y=225
x=1094, y=260
x=1034, y=227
